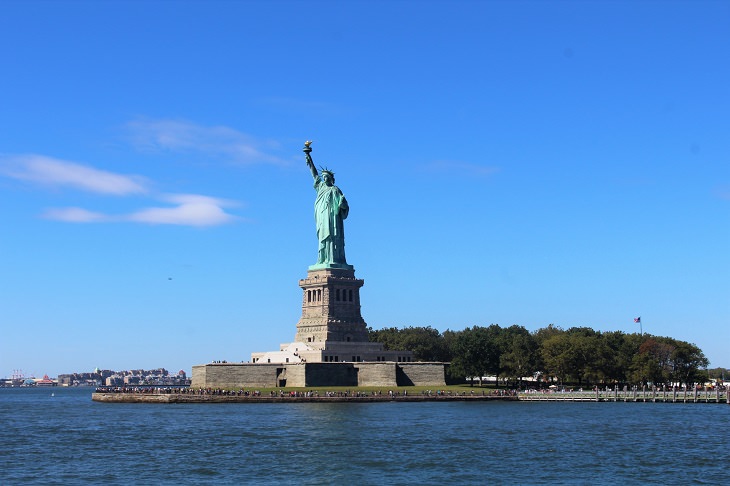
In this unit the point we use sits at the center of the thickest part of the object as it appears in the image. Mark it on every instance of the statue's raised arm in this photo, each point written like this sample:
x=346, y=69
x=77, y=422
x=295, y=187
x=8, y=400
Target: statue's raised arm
x=310, y=163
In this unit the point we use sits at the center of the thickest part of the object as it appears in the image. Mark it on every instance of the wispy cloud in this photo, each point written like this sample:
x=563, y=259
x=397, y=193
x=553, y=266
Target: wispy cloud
x=186, y=210
x=75, y=215
x=190, y=210
x=462, y=167
x=55, y=172
x=218, y=142
x=182, y=209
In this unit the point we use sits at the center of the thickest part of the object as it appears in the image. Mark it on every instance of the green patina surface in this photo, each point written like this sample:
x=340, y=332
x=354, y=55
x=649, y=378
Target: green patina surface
x=330, y=212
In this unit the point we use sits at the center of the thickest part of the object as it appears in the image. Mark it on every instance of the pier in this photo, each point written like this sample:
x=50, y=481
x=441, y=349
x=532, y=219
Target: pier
x=653, y=395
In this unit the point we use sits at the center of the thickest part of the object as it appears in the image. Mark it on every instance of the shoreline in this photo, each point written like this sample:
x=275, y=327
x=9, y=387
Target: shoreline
x=131, y=397
x=104, y=397
x=185, y=398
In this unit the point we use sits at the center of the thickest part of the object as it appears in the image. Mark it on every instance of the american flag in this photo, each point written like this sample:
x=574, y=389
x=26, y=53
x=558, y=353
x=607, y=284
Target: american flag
x=637, y=319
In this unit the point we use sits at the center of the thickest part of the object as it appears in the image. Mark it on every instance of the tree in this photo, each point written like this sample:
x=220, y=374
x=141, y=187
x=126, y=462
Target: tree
x=540, y=336
x=687, y=362
x=426, y=343
x=718, y=374
x=653, y=361
x=613, y=343
x=519, y=352
x=579, y=355
x=388, y=336
x=589, y=355
x=473, y=353
x=576, y=354
x=556, y=355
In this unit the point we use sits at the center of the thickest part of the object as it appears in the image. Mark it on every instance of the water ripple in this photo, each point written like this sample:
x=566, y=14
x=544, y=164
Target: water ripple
x=71, y=440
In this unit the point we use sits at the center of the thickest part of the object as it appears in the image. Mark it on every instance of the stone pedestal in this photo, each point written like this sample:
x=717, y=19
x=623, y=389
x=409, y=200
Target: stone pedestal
x=331, y=347
x=331, y=308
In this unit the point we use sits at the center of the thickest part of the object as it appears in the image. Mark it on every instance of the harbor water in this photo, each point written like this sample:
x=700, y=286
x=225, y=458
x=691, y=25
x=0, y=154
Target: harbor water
x=59, y=436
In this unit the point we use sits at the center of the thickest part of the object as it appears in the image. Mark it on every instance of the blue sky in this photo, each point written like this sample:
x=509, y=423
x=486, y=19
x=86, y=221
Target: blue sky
x=505, y=162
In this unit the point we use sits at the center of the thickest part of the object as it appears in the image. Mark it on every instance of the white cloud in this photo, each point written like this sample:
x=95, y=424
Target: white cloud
x=75, y=215
x=217, y=142
x=191, y=210
x=186, y=210
x=181, y=209
x=56, y=172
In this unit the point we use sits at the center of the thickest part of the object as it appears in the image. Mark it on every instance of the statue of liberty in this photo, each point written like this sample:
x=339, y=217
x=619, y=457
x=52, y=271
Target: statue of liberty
x=330, y=211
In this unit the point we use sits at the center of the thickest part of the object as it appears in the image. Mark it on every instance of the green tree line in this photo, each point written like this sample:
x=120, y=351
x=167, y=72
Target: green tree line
x=579, y=355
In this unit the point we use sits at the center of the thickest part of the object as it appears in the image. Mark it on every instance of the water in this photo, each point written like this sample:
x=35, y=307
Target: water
x=68, y=439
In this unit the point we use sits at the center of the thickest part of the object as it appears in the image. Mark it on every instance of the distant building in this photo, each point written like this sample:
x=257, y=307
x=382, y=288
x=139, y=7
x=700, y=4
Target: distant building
x=114, y=380
x=46, y=381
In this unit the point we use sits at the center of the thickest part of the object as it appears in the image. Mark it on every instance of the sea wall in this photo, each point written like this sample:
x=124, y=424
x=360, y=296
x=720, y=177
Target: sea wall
x=377, y=374
x=421, y=374
x=235, y=375
x=268, y=375
x=329, y=374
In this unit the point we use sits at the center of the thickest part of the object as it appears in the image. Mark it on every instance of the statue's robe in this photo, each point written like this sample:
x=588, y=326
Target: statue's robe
x=330, y=210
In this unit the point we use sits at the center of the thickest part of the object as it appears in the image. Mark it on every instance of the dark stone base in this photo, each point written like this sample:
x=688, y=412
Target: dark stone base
x=269, y=375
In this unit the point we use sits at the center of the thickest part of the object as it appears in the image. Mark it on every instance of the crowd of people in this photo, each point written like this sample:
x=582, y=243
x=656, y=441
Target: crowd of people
x=393, y=394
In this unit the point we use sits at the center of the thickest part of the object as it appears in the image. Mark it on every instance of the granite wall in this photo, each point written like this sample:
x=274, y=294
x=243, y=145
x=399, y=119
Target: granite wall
x=236, y=375
x=421, y=374
x=272, y=375
x=376, y=374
